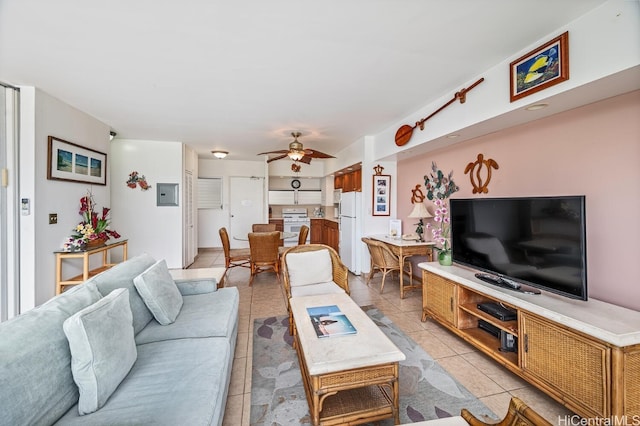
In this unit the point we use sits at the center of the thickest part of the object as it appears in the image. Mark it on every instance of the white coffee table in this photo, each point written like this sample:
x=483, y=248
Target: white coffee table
x=217, y=274
x=348, y=379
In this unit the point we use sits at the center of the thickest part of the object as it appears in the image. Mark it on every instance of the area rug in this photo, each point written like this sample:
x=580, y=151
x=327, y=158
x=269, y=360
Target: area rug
x=277, y=393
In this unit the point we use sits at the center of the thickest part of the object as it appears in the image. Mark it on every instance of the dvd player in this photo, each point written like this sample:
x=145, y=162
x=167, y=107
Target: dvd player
x=496, y=310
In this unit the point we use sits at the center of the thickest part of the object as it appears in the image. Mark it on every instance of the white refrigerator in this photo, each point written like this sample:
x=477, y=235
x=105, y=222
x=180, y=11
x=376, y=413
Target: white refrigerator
x=351, y=230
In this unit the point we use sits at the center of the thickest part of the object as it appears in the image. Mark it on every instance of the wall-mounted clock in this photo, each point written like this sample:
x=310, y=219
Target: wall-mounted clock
x=295, y=184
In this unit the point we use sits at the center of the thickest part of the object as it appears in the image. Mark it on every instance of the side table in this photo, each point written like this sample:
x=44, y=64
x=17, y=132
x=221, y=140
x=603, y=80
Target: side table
x=84, y=255
x=217, y=274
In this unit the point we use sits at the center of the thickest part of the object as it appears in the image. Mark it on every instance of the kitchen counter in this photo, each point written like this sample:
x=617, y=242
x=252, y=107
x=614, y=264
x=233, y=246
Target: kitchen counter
x=330, y=219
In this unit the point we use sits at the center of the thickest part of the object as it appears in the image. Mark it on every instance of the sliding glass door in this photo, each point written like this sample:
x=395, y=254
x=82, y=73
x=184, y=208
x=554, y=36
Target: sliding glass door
x=9, y=216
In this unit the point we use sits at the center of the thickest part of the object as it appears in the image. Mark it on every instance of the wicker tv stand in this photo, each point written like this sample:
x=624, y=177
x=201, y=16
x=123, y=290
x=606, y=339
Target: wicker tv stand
x=586, y=355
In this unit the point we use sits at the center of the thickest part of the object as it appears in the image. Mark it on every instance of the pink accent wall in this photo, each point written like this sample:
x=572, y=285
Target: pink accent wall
x=593, y=151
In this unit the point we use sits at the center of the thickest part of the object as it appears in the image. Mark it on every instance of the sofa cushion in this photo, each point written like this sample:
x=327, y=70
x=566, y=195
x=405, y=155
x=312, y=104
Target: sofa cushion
x=315, y=289
x=173, y=382
x=121, y=276
x=36, y=385
x=159, y=292
x=190, y=287
x=309, y=267
x=204, y=315
x=102, y=348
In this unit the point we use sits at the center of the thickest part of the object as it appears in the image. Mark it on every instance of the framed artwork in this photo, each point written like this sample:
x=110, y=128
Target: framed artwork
x=74, y=163
x=381, y=195
x=543, y=67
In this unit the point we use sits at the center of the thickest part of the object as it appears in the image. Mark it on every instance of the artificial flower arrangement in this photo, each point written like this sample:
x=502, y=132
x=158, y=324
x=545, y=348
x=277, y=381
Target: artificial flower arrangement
x=92, y=227
x=439, y=188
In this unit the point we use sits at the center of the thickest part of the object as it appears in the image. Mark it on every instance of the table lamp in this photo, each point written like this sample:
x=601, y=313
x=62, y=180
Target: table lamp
x=420, y=212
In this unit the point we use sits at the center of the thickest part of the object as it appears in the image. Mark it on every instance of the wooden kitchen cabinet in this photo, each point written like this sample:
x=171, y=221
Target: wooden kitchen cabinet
x=352, y=181
x=331, y=234
x=337, y=182
x=316, y=231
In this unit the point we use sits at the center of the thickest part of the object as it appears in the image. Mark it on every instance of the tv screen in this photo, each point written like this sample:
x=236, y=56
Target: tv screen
x=539, y=241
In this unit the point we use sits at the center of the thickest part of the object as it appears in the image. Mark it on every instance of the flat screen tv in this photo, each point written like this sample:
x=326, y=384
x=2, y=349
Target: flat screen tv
x=537, y=241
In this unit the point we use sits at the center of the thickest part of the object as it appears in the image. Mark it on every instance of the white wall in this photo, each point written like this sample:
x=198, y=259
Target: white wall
x=41, y=116
x=610, y=33
x=152, y=229
x=209, y=220
x=283, y=168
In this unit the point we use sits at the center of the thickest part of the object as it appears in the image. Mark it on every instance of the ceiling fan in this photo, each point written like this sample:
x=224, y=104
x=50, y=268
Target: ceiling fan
x=296, y=152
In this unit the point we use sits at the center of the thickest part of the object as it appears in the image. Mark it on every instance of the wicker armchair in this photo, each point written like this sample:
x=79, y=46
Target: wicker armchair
x=263, y=227
x=385, y=261
x=264, y=253
x=518, y=414
x=339, y=273
x=233, y=257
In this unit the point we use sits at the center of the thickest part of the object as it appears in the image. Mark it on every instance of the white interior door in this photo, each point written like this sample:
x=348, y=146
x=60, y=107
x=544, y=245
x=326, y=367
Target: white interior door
x=189, y=249
x=246, y=201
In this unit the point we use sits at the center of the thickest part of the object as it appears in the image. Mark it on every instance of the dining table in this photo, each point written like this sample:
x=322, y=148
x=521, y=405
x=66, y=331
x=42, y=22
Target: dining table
x=405, y=248
x=283, y=236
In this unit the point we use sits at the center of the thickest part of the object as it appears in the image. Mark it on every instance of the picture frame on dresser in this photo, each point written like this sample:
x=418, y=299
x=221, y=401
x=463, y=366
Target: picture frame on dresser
x=67, y=161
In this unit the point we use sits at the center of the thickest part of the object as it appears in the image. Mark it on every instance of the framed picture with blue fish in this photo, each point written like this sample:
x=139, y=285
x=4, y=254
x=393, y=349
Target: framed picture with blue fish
x=543, y=67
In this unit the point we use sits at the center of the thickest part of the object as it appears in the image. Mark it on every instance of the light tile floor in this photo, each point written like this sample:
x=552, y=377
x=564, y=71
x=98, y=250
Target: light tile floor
x=482, y=376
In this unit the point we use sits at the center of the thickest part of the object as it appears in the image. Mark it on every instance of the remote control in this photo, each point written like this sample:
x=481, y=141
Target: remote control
x=511, y=283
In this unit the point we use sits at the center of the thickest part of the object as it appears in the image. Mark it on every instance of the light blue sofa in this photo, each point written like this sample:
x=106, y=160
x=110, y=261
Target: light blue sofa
x=180, y=376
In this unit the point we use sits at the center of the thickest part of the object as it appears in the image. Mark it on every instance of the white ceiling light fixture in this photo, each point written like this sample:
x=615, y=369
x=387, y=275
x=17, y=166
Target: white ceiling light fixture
x=220, y=154
x=536, y=107
x=112, y=135
x=295, y=154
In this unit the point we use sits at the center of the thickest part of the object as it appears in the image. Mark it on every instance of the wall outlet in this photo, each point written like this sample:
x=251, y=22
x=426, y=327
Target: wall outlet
x=53, y=218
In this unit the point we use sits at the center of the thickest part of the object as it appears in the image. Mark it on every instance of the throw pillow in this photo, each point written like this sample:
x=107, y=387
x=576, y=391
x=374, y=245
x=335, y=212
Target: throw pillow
x=309, y=267
x=159, y=292
x=102, y=347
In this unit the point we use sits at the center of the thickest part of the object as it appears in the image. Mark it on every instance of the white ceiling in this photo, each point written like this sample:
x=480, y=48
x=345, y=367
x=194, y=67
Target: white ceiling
x=241, y=75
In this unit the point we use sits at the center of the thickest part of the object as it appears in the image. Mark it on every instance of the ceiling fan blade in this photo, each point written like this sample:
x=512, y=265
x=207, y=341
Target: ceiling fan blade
x=278, y=157
x=306, y=159
x=282, y=151
x=317, y=154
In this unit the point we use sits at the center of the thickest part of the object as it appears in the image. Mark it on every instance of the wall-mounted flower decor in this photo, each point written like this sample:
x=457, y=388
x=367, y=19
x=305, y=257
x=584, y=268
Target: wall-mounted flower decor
x=139, y=180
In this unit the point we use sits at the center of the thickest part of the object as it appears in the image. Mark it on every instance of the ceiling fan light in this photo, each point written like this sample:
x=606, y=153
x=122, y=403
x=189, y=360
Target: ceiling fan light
x=296, y=155
x=220, y=154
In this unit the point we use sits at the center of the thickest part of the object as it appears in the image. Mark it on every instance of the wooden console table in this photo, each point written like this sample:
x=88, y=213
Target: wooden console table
x=84, y=255
x=584, y=354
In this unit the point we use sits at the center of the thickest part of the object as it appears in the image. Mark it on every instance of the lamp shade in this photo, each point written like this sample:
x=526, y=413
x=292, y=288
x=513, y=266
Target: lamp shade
x=296, y=155
x=419, y=211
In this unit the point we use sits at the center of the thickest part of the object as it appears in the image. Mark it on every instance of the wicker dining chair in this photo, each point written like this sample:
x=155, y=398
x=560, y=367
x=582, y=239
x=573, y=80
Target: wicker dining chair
x=339, y=275
x=264, y=253
x=263, y=227
x=233, y=257
x=302, y=239
x=385, y=261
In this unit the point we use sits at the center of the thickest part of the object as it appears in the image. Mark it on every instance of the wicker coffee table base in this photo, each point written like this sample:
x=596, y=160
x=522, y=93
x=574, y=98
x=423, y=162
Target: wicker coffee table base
x=351, y=397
